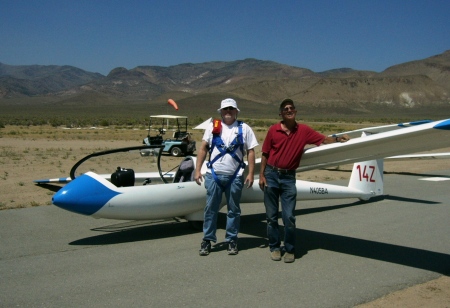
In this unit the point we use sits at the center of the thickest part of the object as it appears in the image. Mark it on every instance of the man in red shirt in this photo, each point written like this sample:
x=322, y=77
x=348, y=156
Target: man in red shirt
x=281, y=153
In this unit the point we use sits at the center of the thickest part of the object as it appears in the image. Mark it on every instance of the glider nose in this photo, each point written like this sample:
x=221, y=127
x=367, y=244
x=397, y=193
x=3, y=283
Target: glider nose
x=84, y=195
x=443, y=125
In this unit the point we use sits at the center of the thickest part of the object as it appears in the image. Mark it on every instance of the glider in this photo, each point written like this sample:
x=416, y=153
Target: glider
x=93, y=195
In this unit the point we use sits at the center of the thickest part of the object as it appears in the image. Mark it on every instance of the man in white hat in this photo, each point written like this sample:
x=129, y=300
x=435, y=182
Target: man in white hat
x=227, y=141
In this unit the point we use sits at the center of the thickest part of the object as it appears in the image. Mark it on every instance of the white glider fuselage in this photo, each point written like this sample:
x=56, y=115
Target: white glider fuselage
x=92, y=195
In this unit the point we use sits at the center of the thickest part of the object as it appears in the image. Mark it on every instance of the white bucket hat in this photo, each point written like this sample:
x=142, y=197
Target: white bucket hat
x=228, y=102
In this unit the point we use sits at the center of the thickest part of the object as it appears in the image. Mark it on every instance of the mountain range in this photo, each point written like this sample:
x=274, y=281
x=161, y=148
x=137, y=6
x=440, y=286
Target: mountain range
x=258, y=86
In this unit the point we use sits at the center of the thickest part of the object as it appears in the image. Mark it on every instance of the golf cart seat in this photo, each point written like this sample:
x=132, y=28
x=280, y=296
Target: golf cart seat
x=179, y=135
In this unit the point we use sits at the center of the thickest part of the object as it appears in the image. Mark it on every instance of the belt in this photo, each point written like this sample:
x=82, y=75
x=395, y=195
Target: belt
x=284, y=171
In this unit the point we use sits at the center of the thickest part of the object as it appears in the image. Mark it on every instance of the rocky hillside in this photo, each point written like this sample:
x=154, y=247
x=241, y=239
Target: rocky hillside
x=32, y=80
x=259, y=85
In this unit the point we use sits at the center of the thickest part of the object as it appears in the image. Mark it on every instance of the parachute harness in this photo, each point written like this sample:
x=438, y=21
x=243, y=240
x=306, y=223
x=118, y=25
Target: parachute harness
x=217, y=142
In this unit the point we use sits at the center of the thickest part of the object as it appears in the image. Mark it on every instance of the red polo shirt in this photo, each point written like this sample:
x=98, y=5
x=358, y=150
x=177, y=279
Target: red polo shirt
x=285, y=151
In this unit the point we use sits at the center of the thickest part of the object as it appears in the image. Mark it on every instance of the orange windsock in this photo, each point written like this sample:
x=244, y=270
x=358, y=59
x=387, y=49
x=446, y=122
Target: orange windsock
x=172, y=102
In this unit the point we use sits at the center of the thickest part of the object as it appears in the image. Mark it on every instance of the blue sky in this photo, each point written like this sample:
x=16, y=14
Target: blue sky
x=100, y=35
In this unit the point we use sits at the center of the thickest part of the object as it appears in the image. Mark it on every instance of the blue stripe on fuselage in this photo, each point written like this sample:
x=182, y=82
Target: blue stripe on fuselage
x=414, y=123
x=84, y=195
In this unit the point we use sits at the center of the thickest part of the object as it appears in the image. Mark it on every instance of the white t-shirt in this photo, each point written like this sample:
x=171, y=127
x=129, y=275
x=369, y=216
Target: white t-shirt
x=227, y=164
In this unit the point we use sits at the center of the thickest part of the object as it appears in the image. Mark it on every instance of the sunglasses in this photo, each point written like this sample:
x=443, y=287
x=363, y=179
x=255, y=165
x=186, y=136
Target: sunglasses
x=229, y=108
x=286, y=109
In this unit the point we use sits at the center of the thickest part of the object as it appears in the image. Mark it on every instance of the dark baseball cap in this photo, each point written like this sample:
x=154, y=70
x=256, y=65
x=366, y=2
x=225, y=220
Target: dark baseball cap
x=285, y=102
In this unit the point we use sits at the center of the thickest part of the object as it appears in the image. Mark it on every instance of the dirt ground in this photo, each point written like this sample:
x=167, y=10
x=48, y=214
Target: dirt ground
x=27, y=154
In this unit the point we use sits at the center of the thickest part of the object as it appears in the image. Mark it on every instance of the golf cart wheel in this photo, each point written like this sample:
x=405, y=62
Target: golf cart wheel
x=175, y=151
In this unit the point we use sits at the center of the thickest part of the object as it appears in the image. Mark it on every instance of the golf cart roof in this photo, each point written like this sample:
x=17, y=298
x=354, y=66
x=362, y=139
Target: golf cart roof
x=167, y=117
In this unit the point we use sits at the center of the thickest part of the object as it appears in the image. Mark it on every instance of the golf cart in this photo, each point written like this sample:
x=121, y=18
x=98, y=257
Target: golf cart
x=179, y=143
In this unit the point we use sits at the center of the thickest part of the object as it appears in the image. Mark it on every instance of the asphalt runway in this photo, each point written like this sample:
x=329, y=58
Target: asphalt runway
x=348, y=253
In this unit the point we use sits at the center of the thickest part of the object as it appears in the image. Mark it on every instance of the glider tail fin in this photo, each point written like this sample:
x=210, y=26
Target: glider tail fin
x=368, y=177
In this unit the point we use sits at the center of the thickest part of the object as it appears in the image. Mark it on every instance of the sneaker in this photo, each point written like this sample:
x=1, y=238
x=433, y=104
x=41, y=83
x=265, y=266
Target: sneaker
x=232, y=248
x=205, y=248
x=289, y=257
x=275, y=255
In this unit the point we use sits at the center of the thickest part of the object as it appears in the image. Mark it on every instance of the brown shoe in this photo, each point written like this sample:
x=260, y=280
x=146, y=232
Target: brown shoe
x=275, y=255
x=289, y=257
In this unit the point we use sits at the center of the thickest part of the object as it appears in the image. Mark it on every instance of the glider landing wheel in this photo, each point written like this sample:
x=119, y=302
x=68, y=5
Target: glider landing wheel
x=197, y=225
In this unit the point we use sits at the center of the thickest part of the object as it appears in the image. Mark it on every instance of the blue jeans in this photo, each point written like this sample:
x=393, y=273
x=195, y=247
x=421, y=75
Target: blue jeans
x=214, y=198
x=280, y=187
